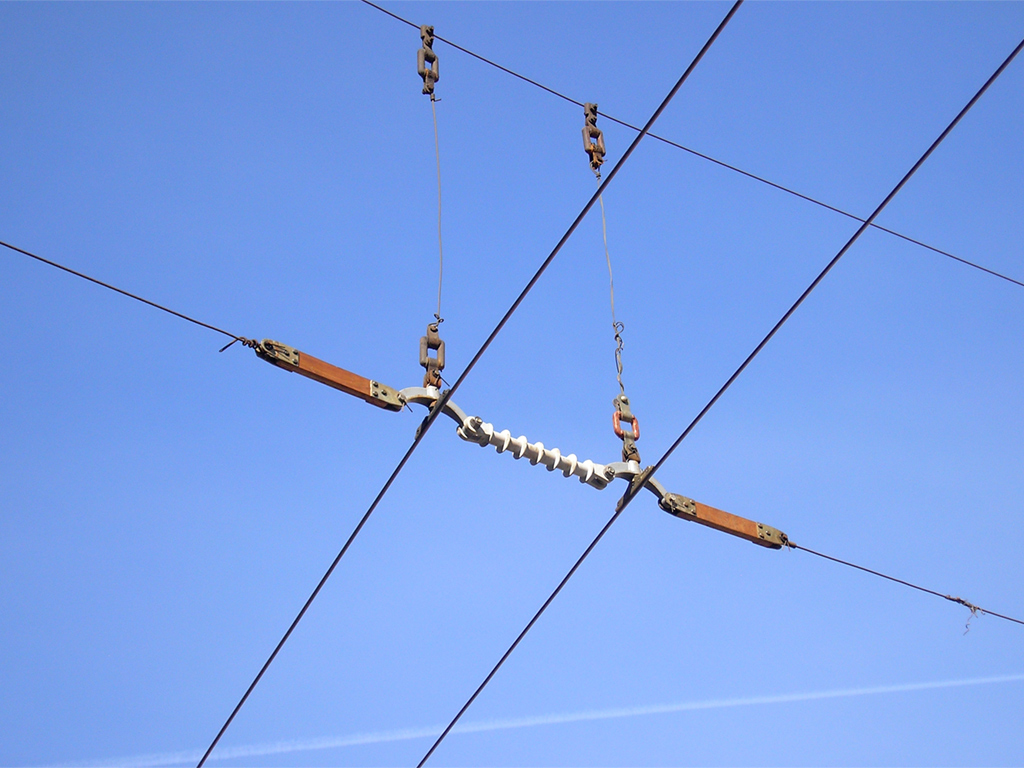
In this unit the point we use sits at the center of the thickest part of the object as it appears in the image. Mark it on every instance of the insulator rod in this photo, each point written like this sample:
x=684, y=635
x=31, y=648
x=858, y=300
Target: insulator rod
x=476, y=430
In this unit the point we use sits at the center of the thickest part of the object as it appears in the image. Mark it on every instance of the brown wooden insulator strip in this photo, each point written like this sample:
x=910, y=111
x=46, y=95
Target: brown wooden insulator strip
x=726, y=522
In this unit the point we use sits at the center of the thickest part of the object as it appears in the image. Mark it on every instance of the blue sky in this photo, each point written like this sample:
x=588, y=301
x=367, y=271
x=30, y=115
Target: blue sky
x=269, y=169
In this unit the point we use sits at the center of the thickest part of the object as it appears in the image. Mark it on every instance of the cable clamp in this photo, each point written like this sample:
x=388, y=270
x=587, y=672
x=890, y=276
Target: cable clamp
x=680, y=506
x=278, y=354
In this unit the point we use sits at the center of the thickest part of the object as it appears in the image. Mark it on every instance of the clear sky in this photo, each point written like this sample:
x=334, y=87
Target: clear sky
x=269, y=168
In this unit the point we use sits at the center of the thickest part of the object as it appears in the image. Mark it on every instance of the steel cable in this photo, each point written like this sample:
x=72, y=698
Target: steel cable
x=123, y=292
x=709, y=158
x=617, y=327
x=313, y=595
x=974, y=609
x=634, y=489
x=440, y=247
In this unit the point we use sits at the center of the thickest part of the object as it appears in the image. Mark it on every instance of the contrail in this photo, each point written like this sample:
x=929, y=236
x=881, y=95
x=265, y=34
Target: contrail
x=383, y=737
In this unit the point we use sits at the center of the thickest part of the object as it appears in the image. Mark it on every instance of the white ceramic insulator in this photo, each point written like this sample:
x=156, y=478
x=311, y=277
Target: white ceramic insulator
x=475, y=430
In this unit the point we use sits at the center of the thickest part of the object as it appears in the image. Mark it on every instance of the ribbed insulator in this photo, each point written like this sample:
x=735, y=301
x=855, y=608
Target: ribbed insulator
x=475, y=430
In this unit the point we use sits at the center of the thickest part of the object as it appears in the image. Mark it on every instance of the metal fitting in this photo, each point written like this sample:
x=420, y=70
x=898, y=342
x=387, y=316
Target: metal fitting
x=426, y=60
x=593, y=138
x=433, y=365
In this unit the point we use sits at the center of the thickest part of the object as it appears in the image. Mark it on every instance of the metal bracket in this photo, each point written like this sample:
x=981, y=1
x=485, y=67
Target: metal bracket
x=636, y=483
x=680, y=506
x=428, y=397
x=386, y=395
x=277, y=353
x=773, y=537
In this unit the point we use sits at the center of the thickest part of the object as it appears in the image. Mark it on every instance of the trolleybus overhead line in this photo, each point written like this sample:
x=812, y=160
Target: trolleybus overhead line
x=646, y=477
x=474, y=429
x=709, y=158
x=441, y=402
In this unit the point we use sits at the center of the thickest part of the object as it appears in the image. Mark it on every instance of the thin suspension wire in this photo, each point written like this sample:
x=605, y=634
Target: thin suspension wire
x=440, y=248
x=447, y=394
x=709, y=158
x=522, y=634
x=126, y=293
x=617, y=327
x=974, y=609
x=597, y=195
x=631, y=493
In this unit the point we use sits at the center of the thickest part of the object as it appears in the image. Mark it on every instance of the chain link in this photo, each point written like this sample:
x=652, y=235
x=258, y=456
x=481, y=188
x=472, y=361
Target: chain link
x=426, y=61
x=593, y=139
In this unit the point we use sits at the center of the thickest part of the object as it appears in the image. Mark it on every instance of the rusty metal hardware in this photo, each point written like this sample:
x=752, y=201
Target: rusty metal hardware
x=277, y=353
x=617, y=426
x=627, y=436
x=772, y=537
x=433, y=365
x=678, y=505
x=593, y=139
x=426, y=56
x=291, y=359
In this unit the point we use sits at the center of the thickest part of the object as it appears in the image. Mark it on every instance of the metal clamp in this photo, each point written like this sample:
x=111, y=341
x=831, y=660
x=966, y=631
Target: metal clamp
x=426, y=56
x=433, y=365
x=680, y=506
x=593, y=139
x=773, y=537
x=277, y=353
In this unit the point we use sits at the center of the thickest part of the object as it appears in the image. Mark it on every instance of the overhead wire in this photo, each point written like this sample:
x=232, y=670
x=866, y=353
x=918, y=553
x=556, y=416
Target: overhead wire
x=446, y=395
x=440, y=247
x=974, y=609
x=647, y=474
x=709, y=158
x=130, y=295
x=316, y=591
x=679, y=83
x=835, y=260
